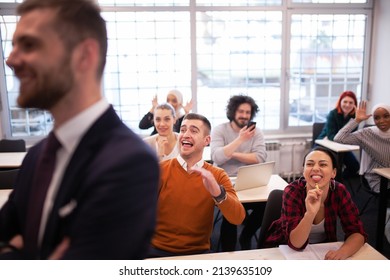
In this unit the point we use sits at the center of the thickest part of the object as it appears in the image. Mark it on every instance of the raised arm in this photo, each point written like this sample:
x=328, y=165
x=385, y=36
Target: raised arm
x=230, y=150
x=361, y=112
x=188, y=107
x=299, y=236
x=229, y=205
x=345, y=134
x=257, y=153
x=147, y=120
x=355, y=237
x=223, y=150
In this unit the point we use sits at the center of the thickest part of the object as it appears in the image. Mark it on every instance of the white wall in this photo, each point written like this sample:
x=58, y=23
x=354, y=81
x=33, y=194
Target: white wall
x=379, y=80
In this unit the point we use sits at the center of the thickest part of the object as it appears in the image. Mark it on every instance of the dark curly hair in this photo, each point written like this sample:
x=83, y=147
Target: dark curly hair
x=235, y=101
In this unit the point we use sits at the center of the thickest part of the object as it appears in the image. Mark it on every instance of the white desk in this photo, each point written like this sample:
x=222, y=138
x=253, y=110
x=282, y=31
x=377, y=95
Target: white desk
x=339, y=149
x=260, y=194
x=380, y=227
x=367, y=252
x=384, y=172
x=4, y=196
x=336, y=147
x=11, y=160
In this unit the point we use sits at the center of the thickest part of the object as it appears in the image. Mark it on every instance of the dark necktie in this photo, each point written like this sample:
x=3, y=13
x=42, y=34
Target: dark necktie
x=42, y=178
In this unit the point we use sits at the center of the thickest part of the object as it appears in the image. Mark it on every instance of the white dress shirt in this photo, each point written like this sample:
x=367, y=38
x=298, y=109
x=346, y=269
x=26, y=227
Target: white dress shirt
x=183, y=163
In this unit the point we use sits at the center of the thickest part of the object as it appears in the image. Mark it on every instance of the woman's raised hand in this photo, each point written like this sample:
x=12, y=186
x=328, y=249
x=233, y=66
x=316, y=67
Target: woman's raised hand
x=188, y=107
x=361, y=112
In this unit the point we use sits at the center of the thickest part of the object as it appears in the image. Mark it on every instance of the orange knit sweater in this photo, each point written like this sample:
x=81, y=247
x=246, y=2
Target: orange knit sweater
x=186, y=209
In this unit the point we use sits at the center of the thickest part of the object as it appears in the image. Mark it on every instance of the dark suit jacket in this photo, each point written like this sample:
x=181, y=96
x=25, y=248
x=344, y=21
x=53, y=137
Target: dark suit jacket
x=106, y=202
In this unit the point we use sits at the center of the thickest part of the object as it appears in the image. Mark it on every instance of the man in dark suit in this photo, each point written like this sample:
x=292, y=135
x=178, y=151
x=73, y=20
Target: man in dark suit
x=101, y=198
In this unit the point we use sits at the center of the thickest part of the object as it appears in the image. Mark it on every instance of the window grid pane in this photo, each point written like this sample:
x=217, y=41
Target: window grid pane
x=330, y=1
x=144, y=2
x=239, y=3
x=326, y=59
x=149, y=54
x=239, y=52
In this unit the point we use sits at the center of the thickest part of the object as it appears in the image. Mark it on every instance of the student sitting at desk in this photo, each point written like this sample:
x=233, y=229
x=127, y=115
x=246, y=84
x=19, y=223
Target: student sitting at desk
x=373, y=140
x=336, y=119
x=175, y=98
x=237, y=143
x=311, y=206
x=189, y=190
x=165, y=141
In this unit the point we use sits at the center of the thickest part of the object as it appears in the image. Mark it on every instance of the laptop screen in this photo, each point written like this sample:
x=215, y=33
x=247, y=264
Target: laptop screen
x=253, y=176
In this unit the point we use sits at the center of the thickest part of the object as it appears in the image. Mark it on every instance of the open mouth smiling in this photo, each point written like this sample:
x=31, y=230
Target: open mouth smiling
x=186, y=144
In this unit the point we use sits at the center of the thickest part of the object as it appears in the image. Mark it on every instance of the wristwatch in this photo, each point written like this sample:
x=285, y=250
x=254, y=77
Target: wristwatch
x=220, y=198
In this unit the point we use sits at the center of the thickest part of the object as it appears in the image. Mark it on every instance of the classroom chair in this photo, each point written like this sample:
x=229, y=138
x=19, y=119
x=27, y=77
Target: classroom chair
x=271, y=213
x=8, y=178
x=12, y=145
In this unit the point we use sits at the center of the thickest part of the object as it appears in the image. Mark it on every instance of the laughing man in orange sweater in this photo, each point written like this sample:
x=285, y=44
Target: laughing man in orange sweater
x=189, y=190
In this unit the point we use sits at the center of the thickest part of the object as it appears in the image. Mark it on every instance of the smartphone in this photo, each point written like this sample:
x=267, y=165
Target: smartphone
x=251, y=124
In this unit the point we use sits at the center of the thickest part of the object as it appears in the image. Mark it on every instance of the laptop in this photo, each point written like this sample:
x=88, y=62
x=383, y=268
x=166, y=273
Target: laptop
x=253, y=176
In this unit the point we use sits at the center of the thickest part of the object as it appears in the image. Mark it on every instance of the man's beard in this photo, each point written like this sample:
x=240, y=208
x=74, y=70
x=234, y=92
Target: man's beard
x=50, y=87
x=239, y=124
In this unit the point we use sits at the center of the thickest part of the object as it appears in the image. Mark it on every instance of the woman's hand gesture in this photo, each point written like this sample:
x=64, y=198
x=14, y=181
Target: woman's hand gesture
x=188, y=107
x=313, y=201
x=361, y=112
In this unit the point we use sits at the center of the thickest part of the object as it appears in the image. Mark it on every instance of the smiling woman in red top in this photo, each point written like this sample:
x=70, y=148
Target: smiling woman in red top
x=309, y=214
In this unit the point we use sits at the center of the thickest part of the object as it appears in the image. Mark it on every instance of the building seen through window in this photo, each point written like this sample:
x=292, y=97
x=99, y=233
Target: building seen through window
x=293, y=62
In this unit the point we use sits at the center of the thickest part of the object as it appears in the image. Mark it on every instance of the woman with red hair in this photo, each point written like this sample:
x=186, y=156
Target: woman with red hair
x=336, y=119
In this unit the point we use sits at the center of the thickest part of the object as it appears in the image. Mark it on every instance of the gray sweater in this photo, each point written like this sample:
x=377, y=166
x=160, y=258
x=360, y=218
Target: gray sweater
x=224, y=134
x=376, y=146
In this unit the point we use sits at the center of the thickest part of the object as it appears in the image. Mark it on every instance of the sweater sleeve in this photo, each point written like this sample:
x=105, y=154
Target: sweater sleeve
x=293, y=210
x=177, y=125
x=217, y=143
x=345, y=134
x=331, y=124
x=259, y=146
x=146, y=122
x=231, y=208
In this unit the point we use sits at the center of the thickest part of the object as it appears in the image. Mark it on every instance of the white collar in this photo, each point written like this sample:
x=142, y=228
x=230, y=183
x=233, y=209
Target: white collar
x=183, y=163
x=71, y=132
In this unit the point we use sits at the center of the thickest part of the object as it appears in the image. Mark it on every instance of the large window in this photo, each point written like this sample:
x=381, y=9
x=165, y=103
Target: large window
x=293, y=62
x=326, y=58
x=149, y=53
x=239, y=52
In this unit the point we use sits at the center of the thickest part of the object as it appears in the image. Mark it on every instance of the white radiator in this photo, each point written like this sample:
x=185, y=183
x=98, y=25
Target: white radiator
x=292, y=154
x=288, y=156
x=273, y=154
